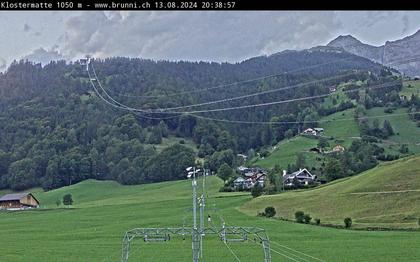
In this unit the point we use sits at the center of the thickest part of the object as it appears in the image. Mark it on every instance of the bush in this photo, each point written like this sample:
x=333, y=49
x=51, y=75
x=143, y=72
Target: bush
x=270, y=211
x=347, y=222
x=182, y=141
x=418, y=222
x=299, y=216
x=226, y=189
x=318, y=221
x=404, y=149
x=265, y=153
x=307, y=218
x=68, y=200
x=256, y=191
x=389, y=110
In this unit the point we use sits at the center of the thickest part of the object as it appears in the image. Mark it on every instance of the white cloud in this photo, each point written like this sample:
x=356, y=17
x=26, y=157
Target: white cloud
x=43, y=56
x=217, y=36
x=3, y=63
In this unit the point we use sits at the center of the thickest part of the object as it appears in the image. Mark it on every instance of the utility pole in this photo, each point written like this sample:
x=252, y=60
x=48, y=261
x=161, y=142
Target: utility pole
x=196, y=238
x=202, y=206
x=194, y=186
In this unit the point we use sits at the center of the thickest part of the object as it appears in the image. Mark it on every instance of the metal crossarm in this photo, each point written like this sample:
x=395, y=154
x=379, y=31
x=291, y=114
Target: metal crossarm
x=163, y=234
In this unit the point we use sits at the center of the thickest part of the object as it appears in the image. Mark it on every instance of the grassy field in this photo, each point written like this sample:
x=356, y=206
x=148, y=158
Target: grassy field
x=171, y=140
x=411, y=87
x=92, y=229
x=406, y=130
x=340, y=129
x=388, y=196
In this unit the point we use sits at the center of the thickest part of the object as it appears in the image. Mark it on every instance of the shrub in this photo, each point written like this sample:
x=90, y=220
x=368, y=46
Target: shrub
x=226, y=189
x=182, y=141
x=389, y=110
x=265, y=153
x=318, y=221
x=404, y=149
x=68, y=199
x=299, y=216
x=270, y=211
x=307, y=218
x=347, y=222
x=418, y=222
x=256, y=191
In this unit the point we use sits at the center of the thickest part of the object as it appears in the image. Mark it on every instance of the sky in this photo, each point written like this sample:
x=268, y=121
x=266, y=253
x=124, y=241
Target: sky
x=219, y=36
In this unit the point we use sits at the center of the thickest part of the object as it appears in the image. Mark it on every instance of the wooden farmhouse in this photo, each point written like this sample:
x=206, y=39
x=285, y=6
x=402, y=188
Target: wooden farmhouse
x=18, y=201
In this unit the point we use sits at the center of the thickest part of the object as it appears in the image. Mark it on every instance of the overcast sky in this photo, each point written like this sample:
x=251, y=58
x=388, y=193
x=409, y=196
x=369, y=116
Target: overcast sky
x=209, y=36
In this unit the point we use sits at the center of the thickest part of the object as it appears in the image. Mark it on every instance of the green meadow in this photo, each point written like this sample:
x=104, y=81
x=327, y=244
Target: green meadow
x=340, y=129
x=92, y=229
x=385, y=196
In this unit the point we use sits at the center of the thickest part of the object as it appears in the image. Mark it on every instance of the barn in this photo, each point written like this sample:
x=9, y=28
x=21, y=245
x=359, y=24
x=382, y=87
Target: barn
x=18, y=201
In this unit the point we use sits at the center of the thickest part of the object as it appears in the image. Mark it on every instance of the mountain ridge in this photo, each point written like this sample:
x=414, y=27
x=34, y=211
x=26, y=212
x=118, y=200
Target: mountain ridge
x=394, y=53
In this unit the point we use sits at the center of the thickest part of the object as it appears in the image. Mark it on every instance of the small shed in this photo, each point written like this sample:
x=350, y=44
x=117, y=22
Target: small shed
x=18, y=201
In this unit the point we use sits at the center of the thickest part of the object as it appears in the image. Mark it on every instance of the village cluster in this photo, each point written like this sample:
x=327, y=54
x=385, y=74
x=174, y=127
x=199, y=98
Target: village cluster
x=255, y=176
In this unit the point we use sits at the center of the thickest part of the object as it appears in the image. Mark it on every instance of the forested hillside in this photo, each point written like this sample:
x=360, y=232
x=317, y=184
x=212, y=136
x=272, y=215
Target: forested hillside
x=55, y=131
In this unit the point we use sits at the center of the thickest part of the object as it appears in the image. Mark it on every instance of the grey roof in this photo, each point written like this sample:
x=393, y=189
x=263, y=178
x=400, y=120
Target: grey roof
x=10, y=197
x=295, y=173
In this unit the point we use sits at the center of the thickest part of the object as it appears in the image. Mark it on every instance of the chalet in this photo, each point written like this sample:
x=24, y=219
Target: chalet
x=309, y=131
x=303, y=176
x=249, y=178
x=18, y=201
x=313, y=131
x=319, y=130
x=243, y=169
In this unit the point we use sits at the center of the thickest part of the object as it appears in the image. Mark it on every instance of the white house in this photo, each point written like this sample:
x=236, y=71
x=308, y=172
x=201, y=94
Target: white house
x=313, y=131
x=302, y=175
x=309, y=131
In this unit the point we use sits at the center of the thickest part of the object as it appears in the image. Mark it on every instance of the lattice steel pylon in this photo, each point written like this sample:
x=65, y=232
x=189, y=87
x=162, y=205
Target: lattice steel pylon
x=225, y=233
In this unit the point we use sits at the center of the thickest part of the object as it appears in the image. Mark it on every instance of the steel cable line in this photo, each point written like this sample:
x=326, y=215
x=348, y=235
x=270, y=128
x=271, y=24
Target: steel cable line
x=262, y=77
x=258, y=93
x=190, y=113
x=275, y=251
x=243, y=81
x=161, y=110
x=301, y=122
x=297, y=251
x=284, y=255
x=287, y=101
x=246, y=106
x=251, y=122
x=165, y=110
x=121, y=106
x=292, y=255
x=262, y=122
x=231, y=251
